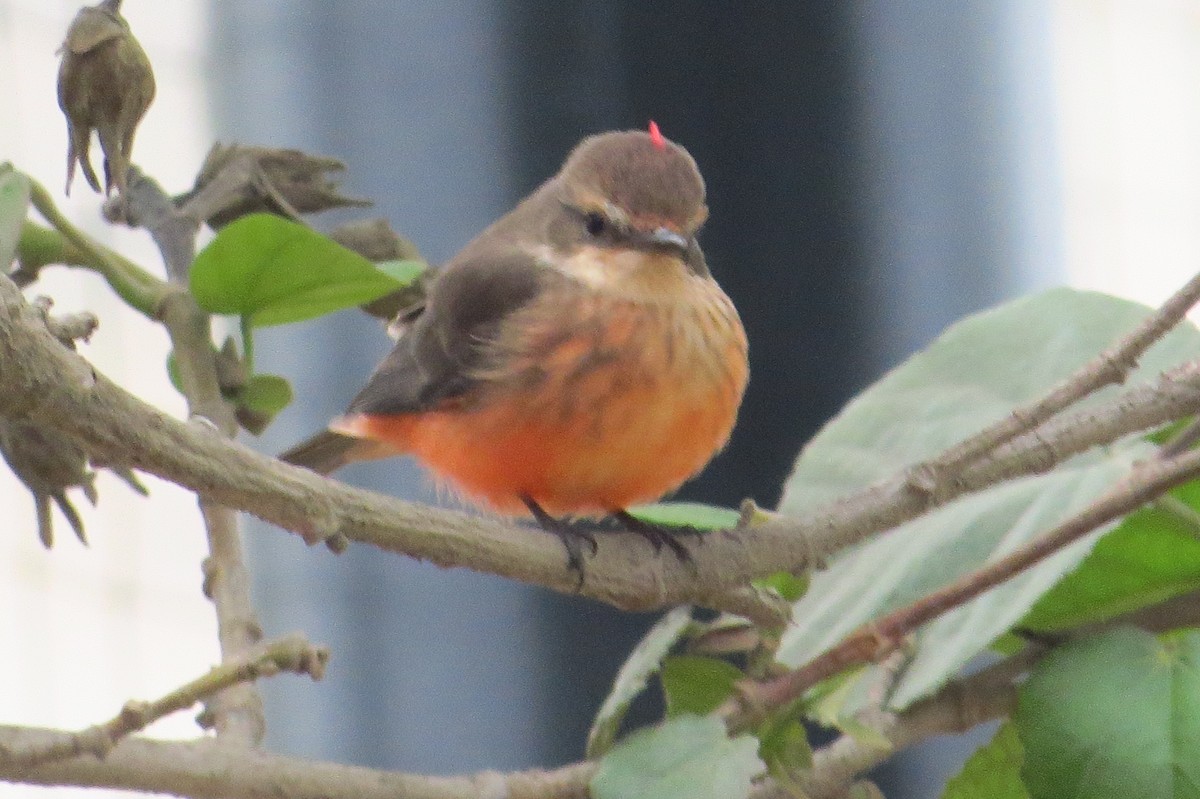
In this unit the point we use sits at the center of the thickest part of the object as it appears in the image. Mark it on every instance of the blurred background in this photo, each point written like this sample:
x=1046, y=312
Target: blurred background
x=876, y=169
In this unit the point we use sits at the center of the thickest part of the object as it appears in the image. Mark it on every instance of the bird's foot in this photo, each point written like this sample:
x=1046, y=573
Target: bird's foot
x=658, y=534
x=573, y=536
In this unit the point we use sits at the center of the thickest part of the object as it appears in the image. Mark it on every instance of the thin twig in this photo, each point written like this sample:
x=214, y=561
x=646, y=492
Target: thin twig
x=293, y=653
x=1108, y=368
x=877, y=639
x=957, y=707
x=138, y=288
x=236, y=713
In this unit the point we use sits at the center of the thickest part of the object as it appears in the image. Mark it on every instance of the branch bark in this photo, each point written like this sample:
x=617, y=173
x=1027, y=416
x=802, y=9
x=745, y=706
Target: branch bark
x=46, y=383
x=207, y=769
x=883, y=636
x=1108, y=368
x=237, y=711
x=958, y=707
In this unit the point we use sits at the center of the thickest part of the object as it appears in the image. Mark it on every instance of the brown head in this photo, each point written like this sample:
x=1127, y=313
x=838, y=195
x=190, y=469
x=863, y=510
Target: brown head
x=633, y=190
x=641, y=179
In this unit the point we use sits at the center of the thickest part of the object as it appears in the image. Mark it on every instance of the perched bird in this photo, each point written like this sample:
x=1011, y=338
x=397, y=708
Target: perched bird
x=574, y=359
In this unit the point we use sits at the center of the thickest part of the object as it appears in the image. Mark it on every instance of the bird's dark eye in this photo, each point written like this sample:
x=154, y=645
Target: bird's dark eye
x=595, y=223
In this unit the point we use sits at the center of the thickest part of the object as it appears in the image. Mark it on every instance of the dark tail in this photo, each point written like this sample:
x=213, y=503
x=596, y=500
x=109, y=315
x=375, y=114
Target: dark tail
x=328, y=451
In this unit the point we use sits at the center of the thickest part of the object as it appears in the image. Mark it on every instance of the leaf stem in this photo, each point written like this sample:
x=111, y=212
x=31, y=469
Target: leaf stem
x=137, y=287
x=247, y=344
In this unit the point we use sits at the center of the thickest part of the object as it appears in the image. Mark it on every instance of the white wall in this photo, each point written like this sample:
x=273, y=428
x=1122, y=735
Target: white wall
x=1126, y=74
x=84, y=629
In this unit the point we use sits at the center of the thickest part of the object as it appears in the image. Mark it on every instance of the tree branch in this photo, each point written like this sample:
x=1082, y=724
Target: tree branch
x=46, y=383
x=1108, y=368
x=882, y=636
x=237, y=711
x=206, y=769
x=958, y=707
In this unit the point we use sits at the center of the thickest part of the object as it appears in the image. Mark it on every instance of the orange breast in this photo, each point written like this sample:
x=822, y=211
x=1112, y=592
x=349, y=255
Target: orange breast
x=593, y=405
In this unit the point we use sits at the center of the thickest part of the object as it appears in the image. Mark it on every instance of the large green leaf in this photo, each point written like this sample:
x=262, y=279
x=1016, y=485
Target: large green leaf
x=919, y=557
x=638, y=668
x=993, y=772
x=689, y=757
x=1114, y=717
x=14, y=206
x=275, y=271
x=974, y=374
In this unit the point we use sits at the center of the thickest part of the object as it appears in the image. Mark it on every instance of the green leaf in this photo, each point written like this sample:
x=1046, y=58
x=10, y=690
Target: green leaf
x=266, y=394
x=829, y=699
x=784, y=747
x=14, y=206
x=403, y=272
x=789, y=586
x=993, y=772
x=689, y=757
x=974, y=374
x=834, y=701
x=919, y=557
x=260, y=400
x=638, y=668
x=697, y=684
x=687, y=514
x=276, y=271
x=1154, y=555
x=1114, y=716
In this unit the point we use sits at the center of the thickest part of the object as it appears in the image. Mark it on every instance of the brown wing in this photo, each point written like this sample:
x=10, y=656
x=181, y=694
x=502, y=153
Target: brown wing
x=436, y=354
x=434, y=360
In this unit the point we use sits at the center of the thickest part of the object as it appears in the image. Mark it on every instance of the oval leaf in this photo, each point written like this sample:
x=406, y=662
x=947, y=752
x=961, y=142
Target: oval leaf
x=696, y=684
x=933, y=400
x=275, y=271
x=689, y=757
x=266, y=394
x=923, y=555
x=1114, y=717
x=974, y=374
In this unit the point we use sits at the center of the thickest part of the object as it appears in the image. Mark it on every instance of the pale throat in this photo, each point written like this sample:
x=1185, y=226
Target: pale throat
x=625, y=272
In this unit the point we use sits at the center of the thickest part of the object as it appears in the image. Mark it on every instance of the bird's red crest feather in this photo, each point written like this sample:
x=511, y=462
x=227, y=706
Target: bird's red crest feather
x=656, y=136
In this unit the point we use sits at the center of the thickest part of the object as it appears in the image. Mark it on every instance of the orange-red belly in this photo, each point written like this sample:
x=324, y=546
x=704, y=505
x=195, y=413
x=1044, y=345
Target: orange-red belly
x=616, y=414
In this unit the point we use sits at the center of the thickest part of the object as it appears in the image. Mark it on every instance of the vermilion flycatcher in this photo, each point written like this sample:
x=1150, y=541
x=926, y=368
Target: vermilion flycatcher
x=576, y=358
